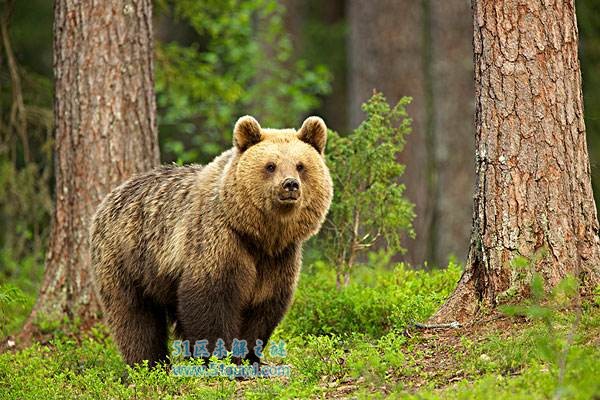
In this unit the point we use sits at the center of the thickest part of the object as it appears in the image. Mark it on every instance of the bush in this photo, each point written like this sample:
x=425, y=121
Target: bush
x=374, y=303
x=369, y=204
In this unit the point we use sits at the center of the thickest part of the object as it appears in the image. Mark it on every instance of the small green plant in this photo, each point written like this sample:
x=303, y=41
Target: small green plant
x=369, y=203
x=554, y=342
x=10, y=296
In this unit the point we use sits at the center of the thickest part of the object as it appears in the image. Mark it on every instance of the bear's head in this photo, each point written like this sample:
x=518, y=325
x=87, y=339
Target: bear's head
x=282, y=184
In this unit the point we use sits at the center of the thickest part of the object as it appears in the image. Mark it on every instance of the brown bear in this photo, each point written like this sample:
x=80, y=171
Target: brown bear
x=214, y=249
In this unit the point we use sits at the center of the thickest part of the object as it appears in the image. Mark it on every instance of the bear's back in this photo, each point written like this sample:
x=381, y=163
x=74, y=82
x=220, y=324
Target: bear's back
x=147, y=198
x=135, y=221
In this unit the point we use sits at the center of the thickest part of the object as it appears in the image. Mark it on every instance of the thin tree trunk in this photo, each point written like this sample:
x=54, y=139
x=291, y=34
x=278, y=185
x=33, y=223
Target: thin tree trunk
x=18, y=114
x=300, y=19
x=453, y=113
x=534, y=195
x=335, y=106
x=385, y=53
x=422, y=49
x=105, y=132
x=294, y=20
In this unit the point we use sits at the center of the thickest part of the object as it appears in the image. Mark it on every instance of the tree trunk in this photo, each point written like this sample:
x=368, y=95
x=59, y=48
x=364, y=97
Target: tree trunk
x=421, y=49
x=308, y=22
x=454, y=112
x=294, y=20
x=332, y=13
x=534, y=195
x=385, y=53
x=105, y=132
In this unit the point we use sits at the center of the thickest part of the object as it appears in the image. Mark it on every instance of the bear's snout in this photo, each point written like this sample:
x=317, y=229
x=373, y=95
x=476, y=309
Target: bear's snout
x=289, y=190
x=290, y=184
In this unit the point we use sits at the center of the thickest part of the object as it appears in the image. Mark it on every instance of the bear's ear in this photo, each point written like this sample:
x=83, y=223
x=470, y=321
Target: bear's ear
x=314, y=132
x=246, y=133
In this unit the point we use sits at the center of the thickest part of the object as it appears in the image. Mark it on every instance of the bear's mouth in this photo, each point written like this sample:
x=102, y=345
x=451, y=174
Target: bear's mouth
x=289, y=198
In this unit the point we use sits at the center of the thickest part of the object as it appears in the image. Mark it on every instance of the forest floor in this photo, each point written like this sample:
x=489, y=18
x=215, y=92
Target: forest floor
x=358, y=343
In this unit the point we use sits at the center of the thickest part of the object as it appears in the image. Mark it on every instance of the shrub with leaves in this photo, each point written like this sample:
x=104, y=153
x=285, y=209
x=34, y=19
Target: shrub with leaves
x=369, y=203
x=377, y=301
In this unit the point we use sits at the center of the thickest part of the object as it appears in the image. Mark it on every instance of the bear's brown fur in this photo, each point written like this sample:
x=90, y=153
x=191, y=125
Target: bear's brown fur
x=215, y=249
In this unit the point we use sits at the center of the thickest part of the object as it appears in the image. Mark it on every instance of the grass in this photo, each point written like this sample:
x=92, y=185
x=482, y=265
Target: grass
x=358, y=343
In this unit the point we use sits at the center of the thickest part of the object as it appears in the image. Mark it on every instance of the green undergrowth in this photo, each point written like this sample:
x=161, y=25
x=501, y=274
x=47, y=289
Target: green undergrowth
x=375, y=302
x=357, y=342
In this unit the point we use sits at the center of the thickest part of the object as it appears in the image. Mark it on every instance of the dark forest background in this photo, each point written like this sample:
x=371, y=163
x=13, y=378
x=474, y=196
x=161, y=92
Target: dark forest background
x=280, y=61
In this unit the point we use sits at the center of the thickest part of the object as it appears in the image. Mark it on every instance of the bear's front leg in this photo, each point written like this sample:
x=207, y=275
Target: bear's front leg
x=208, y=307
x=259, y=321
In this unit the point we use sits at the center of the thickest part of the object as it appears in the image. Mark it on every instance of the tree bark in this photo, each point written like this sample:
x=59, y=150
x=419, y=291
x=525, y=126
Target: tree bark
x=105, y=132
x=534, y=196
x=421, y=49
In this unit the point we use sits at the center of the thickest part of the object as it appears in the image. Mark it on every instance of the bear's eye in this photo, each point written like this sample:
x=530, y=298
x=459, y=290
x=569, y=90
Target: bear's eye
x=270, y=167
x=300, y=167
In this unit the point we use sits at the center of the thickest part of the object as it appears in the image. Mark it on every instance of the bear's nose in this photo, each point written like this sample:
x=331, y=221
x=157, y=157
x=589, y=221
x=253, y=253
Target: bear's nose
x=290, y=184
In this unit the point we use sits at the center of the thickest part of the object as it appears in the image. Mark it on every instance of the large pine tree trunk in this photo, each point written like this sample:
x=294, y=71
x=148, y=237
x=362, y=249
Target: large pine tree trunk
x=533, y=196
x=422, y=49
x=105, y=131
